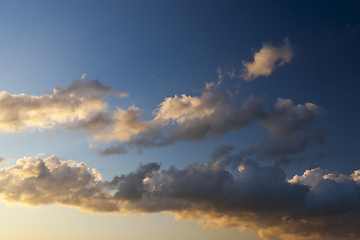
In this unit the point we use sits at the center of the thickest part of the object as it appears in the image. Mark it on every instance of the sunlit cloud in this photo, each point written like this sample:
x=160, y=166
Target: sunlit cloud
x=267, y=59
x=212, y=115
x=81, y=106
x=79, y=101
x=257, y=198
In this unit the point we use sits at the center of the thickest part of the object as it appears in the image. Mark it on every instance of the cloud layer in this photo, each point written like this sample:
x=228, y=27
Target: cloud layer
x=318, y=203
x=81, y=107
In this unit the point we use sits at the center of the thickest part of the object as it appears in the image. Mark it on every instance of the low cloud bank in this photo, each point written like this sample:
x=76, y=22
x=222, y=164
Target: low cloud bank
x=317, y=204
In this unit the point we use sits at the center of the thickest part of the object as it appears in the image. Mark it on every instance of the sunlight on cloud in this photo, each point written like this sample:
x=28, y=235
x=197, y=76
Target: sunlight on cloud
x=267, y=59
x=258, y=199
x=80, y=100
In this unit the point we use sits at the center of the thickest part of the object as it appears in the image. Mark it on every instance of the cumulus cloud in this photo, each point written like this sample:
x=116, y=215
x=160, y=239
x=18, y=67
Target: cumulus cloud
x=35, y=181
x=317, y=204
x=80, y=106
x=78, y=101
x=267, y=59
x=211, y=115
x=289, y=132
x=2, y=160
x=126, y=124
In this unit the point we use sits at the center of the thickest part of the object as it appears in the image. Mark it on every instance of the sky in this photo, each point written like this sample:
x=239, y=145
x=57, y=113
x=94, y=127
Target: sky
x=179, y=119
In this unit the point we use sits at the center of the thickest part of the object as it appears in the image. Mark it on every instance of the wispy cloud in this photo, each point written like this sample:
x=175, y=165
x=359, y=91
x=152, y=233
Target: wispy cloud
x=267, y=59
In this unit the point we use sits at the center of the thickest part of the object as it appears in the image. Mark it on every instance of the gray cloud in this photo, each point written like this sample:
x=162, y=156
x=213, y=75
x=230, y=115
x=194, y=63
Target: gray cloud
x=279, y=149
x=97, y=122
x=208, y=116
x=88, y=87
x=80, y=107
x=317, y=204
x=288, y=125
x=288, y=133
x=220, y=151
x=112, y=150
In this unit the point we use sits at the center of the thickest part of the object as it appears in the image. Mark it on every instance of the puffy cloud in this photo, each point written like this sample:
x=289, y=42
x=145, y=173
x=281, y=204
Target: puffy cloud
x=126, y=124
x=267, y=59
x=212, y=116
x=183, y=118
x=2, y=159
x=285, y=119
x=98, y=121
x=317, y=204
x=289, y=132
x=79, y=106
x=182, y=108
x=36, y=181
x=78, y=101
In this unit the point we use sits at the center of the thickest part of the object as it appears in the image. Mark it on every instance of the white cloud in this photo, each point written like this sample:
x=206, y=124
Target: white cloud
x=78, y=101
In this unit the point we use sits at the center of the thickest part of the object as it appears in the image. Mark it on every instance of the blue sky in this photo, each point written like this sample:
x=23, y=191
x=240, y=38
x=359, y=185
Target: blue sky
x=120, y=69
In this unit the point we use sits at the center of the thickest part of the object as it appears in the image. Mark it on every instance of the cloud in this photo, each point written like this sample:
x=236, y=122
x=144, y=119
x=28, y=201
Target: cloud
x=317, y=204
x=112, y=150
x=98, y=121
x=211, y=115
x=78, y=101
x=126, y=124
x=81, y=107
x=88, y=87
x=267, y=59
x=2, y=160
x=35, y=181
x=220, y=151
x=289, y=132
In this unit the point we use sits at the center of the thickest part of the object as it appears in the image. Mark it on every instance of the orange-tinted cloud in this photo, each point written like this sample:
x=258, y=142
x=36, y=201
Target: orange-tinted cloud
x=318, y=204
